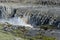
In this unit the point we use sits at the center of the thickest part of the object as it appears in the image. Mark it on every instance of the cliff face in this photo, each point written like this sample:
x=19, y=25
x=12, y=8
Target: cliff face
x=34, y=15
x=49, y=2
x=43, y=2
x=45, y=12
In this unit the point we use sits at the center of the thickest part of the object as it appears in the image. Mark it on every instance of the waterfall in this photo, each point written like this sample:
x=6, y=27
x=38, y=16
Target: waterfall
x=16, y=21
x=28, y=15
x=7, y=16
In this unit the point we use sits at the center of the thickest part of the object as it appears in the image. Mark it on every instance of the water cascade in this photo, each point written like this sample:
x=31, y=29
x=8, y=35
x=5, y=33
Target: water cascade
x=29, y=15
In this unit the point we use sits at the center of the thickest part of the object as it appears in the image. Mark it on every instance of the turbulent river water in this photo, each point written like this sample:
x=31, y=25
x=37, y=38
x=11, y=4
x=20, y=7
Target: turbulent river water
x=15, y=21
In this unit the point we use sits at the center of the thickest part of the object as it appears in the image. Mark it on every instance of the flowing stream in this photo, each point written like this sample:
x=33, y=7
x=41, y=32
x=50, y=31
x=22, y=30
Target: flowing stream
x=15, y=21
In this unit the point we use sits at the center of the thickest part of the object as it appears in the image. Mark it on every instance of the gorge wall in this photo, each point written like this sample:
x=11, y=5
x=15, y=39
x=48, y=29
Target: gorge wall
x=34, y=15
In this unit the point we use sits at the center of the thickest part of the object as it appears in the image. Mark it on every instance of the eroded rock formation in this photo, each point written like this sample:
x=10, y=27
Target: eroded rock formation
x=35, y=16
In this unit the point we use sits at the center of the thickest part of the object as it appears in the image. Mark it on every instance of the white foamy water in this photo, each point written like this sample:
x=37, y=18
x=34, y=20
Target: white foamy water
x=15, y=21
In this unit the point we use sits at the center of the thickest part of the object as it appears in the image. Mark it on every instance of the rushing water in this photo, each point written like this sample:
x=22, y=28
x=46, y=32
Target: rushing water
x=15, y=21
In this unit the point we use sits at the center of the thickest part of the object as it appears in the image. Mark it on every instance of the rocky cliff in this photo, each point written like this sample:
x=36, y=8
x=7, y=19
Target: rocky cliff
x=43, y=2
x=34, y=15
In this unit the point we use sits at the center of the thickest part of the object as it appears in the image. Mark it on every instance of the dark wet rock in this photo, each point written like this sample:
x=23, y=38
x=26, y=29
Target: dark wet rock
x=7, y=29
